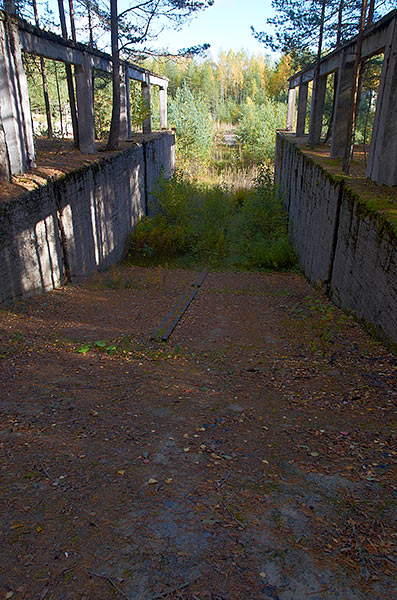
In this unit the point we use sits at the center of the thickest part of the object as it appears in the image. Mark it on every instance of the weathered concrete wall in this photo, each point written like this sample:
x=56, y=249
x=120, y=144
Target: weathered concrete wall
x=343, y=246
x=159, y=161
x=79, y=223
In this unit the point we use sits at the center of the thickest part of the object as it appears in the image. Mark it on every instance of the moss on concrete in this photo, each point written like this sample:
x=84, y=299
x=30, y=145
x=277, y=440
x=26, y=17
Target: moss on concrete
x=371, y=199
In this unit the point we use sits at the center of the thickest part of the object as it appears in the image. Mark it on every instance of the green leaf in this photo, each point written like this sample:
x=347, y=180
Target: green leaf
x=101, y=343
x=83, y=349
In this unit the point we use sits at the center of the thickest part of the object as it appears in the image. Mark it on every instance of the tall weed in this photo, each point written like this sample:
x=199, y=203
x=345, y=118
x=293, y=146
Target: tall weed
x=215, y=225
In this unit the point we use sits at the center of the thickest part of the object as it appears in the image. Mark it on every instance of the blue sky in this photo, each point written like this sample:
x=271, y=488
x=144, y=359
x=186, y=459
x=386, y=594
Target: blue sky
x=225, y=25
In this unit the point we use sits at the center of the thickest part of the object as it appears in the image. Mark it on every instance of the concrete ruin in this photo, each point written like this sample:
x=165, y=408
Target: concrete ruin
x=344, y=247
x=17, y=152
x=381, y=37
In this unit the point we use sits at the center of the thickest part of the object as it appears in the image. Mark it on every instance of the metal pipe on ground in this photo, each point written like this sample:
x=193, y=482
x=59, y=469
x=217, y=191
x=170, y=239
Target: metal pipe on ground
x=165, y=329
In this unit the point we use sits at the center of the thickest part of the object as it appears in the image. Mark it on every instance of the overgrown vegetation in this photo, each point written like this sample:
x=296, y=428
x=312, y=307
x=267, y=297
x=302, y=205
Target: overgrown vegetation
x=215, y=225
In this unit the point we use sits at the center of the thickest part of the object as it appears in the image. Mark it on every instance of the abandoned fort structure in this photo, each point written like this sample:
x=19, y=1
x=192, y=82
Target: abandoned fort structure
x=71, y=226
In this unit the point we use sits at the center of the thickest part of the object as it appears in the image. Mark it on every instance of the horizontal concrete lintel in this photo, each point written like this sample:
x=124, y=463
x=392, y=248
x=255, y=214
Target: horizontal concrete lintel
x=146, y=77
x=159, y=81
x=101, y=64
x=47, y=48
x=373, y=43
x=136, y=74
x=47, y=44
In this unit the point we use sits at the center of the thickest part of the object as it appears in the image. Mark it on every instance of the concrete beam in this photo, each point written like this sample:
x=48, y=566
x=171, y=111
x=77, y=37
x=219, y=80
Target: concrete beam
x=374, y=42
x=48, y=45
x=291, y=109
x=382, y=161
x=146, y=77
x=48, y=48
x=85, y=106
x=302, y=108
x=157, y=80
x=101, y=64
x=14, y=102
x=317, y=111
x=136, y=74
x=340, y=126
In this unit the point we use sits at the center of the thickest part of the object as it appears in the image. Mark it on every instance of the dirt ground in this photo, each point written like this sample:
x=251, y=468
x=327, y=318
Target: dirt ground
x=248, y=458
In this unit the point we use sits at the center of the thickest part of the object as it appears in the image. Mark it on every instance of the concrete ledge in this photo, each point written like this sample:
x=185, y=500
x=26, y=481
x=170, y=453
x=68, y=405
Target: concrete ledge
x=80, y=222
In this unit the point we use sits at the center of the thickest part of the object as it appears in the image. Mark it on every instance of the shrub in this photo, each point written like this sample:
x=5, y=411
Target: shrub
x=257, y=129
x=194, y=128
x=214, y=225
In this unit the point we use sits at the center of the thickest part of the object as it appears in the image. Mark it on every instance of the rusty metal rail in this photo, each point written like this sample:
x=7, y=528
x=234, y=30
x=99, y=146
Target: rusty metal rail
x=164, y=330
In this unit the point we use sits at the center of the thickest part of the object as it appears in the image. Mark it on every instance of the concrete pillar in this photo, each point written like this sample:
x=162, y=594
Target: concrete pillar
x=147, y=121
x=382, y=157
x=317, y=111
x=302, y=108
x=291, y=109
x=342, y=107
x=85, y=106
x=14, y=103
x=163, y=107
x=123, y=102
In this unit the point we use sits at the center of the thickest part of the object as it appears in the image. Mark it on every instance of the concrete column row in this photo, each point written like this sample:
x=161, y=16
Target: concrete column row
x=17, y=152
x=382, y=163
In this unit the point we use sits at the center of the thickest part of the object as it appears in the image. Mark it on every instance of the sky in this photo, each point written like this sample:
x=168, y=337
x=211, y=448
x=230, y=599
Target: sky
x=225, y=25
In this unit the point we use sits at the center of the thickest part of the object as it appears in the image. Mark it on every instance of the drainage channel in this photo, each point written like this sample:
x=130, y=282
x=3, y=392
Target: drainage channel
x=164, y=330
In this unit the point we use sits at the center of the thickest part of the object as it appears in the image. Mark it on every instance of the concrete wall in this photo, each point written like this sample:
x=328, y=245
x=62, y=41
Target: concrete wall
x=347, y=249
x=81, y=222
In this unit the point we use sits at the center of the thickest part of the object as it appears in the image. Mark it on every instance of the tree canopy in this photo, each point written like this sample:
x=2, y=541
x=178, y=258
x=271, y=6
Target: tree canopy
x=297, y=24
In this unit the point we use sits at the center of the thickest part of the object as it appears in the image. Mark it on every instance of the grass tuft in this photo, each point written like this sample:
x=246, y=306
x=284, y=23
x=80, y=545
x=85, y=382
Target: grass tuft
x=215, y=225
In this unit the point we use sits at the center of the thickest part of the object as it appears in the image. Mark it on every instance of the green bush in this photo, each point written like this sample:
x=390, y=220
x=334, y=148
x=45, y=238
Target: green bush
x=257, y=129
x=194, y=128
x=212, y=225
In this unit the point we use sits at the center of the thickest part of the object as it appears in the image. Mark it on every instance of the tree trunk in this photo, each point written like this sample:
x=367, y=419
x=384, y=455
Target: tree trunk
x=69, y=78
x=371, y=11
x=336, y=74
x=59, y=97
x=91, y=43
x=10, y=7
x=348, y=154
x=366, y=126
x=114, y=134
x=312, y=141
x=50, y=133
x=72, y=22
